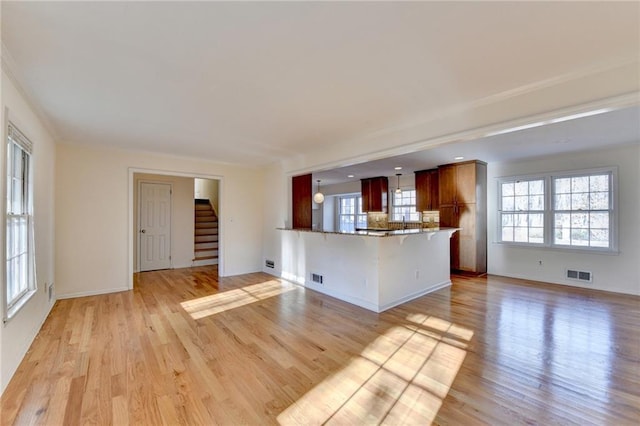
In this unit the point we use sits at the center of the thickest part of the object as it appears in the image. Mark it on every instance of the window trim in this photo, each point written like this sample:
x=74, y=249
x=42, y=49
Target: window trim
x=14, y=136
x=549, y=211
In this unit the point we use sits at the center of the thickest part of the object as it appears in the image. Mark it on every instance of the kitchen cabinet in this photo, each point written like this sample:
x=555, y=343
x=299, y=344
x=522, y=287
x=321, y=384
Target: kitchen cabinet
x=301, y=188
x=463, y=204
x=427, y=190
x=375, y=194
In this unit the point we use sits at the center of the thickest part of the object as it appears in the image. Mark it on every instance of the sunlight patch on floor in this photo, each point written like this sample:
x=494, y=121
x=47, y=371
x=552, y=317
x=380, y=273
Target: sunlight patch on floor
x=221, y=302
x=401, y=377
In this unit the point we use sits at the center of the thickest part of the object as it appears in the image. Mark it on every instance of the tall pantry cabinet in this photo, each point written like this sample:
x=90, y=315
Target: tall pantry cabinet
x=463, y=204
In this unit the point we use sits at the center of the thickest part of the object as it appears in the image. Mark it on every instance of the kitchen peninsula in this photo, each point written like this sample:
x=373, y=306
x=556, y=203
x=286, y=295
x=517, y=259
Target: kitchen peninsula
x=376, y=270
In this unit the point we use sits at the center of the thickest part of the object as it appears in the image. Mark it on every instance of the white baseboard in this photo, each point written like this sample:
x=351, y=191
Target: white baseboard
x=91, y=293
x=410, y=297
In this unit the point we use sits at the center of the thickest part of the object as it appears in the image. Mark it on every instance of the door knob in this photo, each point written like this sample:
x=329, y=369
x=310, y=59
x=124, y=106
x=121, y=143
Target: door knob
x=142, y=231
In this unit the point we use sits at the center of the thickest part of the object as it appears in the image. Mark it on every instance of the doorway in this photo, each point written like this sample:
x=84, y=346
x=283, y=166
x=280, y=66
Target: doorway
x=182, y=217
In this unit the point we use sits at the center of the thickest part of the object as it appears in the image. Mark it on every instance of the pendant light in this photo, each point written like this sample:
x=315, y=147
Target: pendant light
x=398, y=190
x=318, y=197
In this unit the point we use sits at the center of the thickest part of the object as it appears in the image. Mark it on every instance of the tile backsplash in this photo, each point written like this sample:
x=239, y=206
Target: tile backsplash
x=377, y=220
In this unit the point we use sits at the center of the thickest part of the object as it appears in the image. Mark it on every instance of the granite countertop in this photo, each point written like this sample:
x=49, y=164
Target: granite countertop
x=378, y=233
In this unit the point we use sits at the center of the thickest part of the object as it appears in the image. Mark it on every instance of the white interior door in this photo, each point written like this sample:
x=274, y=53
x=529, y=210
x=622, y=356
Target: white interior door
x=155, y=226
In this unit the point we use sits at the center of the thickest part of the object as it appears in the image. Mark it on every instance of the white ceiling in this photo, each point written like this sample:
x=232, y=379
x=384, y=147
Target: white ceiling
x=590, y=133
x=253, y=82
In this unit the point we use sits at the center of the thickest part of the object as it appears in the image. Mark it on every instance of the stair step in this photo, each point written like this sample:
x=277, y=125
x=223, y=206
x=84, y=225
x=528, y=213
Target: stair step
x=206, y=216
x=206, y=245
x=204, y=262
x=204, y=213
x=203, y=207
x=206, y=238
x=207, y=231
x=202, y=251
x=201, y=201
x=206, y=253
x=202, y=225
x=208, y=220
x=206, y=257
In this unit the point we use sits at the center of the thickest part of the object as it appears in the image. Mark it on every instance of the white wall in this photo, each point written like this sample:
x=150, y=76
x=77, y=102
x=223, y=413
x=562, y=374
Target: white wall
x=618, y=273
x=17, y=334
x=208, y=189
x=182, y=217
x=93, y=208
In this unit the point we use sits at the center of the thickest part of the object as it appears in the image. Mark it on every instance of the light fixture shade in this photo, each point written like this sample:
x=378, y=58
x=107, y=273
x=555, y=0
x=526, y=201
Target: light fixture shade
x=318, y=197
x=398, y=191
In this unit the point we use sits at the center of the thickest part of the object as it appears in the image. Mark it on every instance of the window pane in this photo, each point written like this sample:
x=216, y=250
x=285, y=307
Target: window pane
x=599, y=183
x=521, y=235
x=580, y=184
x=522, y=203
x=579, y=237
x=508, y=204
x=536, y=235
x=508, y=189
x=599, y=220
x=536, y=187
x=563, y=186
x=536, y=220
x=563, y=202
x=580, y=201
x=599, y=238
x=507, y=233
x=536, y=202
x=599, y=201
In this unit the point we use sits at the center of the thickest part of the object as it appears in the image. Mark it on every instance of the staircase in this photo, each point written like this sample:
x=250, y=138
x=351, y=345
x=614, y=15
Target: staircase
x=205, y=234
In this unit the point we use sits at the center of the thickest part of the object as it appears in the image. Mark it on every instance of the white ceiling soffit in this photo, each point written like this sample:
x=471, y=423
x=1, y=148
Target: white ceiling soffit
x=254, y=82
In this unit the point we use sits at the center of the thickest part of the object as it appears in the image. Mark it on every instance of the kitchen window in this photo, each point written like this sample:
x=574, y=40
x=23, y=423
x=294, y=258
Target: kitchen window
x=350, y=214
x=19, y=244
x=573, y=210
x=404, y=206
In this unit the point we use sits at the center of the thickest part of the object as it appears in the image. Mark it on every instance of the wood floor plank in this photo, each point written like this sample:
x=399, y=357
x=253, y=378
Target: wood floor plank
x=188, y=347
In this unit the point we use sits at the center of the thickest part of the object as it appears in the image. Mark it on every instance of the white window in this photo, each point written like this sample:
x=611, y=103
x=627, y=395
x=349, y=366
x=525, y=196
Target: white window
x=522, y=211
x=20, y=265
x=582, y=210
x=404, y=206
x=350, y=214
x=561, y=210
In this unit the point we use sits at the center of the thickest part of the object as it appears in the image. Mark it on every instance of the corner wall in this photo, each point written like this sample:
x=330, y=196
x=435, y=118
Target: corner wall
x=92, y=194
x=618, y=273
x=18, y=333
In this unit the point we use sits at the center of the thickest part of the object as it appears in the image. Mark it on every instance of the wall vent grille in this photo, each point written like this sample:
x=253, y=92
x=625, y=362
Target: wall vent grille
x=316, y=278
x=269, y=264
x=574, y=274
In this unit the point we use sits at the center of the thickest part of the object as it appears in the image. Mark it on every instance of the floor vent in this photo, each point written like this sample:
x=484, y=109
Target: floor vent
x=585, y=276
x=269, y=264
x=316, y=278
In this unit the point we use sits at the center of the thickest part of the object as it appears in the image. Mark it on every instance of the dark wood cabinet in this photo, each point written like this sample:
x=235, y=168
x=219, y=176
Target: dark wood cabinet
x=427, y=190
x=463, y=204
x=301, y=189
x=375, y=194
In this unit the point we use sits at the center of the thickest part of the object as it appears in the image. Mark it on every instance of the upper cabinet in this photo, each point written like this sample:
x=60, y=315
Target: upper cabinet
x=375, y=193
x=458, y=182
x=301, y=189
x=427, y=190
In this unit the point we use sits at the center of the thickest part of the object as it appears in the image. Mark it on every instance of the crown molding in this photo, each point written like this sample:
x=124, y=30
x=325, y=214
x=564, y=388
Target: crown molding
x=9, y=67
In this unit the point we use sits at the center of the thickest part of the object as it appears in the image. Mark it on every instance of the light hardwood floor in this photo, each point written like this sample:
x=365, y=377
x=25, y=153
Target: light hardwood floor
x=188, y=348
